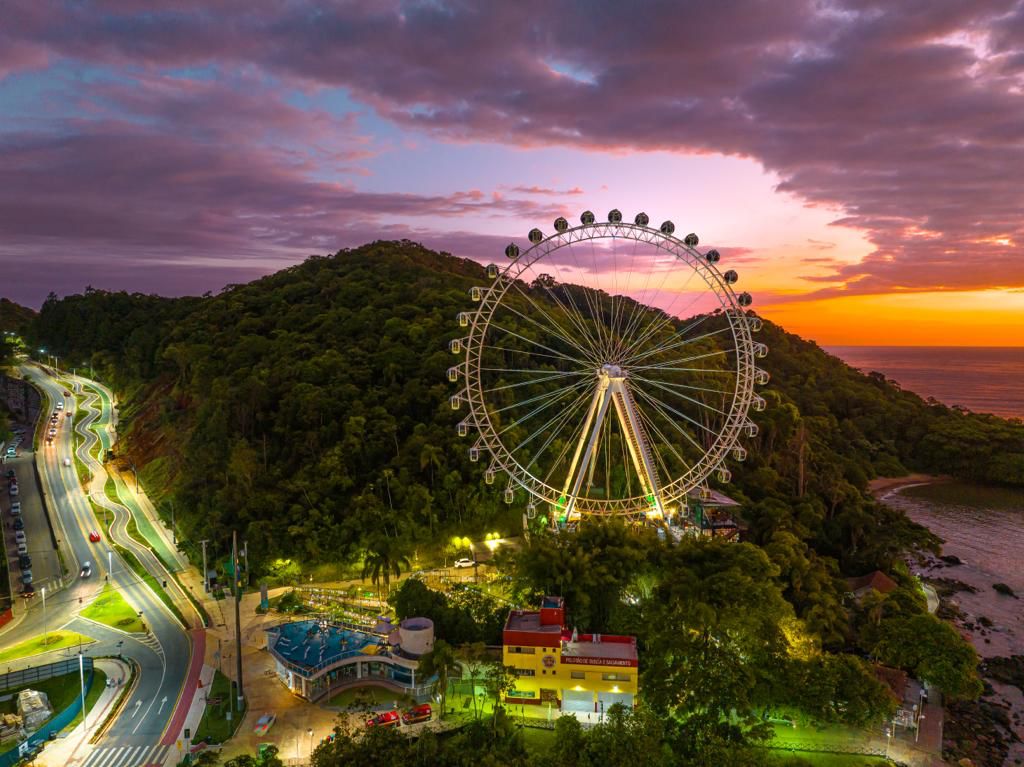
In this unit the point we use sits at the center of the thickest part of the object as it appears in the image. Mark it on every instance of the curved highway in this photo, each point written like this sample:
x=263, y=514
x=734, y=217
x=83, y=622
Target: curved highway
x=164, y=654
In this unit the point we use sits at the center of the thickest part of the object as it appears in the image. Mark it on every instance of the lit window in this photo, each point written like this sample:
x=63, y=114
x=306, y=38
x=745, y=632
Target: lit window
x=578, y=674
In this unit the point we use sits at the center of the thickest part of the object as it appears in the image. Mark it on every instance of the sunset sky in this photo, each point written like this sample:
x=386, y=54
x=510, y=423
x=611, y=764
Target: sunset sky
x=861, y=164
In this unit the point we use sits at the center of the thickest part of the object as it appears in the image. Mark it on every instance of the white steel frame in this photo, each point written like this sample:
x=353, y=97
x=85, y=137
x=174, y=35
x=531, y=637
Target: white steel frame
x=611, y=389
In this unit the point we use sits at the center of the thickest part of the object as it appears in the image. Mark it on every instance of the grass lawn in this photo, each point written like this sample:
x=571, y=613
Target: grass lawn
x=111, y=609
x=61, y=691
x=55, y=640
x=834, y=760
x=369, y=697
x=99, y=682
x=214, y=727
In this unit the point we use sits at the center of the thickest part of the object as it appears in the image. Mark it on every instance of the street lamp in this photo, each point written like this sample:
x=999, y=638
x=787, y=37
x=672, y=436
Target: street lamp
x=110, y=563
x=309, y=732
x=888, y=739
x=917, y=735
x=81, y=677
x=44, y=618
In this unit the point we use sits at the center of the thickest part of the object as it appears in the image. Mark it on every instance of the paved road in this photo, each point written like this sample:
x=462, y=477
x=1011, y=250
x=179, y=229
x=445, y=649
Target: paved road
x=46, y=569
x=165, y=656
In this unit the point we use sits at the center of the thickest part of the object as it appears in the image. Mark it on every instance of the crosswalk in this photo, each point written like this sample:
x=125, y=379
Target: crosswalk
x=127, y=756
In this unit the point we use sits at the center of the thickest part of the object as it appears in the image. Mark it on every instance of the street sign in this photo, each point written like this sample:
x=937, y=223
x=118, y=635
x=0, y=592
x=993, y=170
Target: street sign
x=179, y=745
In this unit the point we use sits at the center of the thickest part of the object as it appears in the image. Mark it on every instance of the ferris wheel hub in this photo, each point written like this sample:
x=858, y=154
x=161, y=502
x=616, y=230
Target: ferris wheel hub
x=611, y=371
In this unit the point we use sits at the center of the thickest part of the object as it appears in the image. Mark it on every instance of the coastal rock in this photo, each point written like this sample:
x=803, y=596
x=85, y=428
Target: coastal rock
x=951, y=559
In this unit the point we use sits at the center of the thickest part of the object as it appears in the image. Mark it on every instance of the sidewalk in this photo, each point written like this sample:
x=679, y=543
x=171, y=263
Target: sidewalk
x=75, y=748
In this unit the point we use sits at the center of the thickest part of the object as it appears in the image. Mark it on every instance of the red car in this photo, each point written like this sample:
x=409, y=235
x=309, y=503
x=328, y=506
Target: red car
x=387, y=719
x=421, y=713
x=94, y=537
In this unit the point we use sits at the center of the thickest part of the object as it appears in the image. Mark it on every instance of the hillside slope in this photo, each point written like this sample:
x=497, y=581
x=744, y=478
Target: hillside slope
x=310, y=409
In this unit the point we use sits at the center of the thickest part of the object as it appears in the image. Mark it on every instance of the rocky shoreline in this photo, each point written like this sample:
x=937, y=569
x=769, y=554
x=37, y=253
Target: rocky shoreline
x=990, y=614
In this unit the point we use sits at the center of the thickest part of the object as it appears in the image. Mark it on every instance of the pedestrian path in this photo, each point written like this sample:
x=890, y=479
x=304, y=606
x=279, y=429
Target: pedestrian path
x=127, y=756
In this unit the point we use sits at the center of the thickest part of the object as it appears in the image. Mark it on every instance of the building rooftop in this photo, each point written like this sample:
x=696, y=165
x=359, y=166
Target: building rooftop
x=876, y=580
x=529, y=620
x=603, y=650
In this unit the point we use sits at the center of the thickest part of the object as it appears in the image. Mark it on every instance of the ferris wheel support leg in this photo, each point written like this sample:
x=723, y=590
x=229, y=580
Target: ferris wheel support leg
x=591, y=412
x=639, y=451
x=595, y=430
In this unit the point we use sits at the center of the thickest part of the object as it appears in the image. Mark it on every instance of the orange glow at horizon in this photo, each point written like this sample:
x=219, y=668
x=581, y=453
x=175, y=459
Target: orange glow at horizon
x=965, y=318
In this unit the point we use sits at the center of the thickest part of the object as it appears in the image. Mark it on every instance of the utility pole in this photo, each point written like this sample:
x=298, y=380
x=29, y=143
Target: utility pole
x=238, y=621
x=206, y=582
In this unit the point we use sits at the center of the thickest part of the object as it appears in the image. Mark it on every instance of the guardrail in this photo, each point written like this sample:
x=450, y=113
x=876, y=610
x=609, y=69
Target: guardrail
x=56, y=724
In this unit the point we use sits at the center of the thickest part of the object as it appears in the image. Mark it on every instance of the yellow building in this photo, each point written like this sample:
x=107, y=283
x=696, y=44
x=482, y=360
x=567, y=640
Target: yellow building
x=575, y=672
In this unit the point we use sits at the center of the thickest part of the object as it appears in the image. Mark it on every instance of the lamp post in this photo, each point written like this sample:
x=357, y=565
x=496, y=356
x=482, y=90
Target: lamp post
x=81, y=678
x=44, y=618
x=888, y=739
x=309, y=732
x=917, y=735
x=110, y=563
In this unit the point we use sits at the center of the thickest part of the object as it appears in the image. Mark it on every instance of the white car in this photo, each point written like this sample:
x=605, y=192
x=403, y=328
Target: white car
x=464, y=562
x=16, y=508
x=22, y=548
x=86, y=570
x=19, y=536
x=67, y=461
x=13, y=490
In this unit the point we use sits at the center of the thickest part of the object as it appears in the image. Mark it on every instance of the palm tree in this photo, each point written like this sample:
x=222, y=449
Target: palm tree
x=430, y=458
x=384, y=557
x=442, y=663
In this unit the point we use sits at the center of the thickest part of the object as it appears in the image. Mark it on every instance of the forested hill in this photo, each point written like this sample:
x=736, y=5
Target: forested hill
x=310, y=408
x=14, y=317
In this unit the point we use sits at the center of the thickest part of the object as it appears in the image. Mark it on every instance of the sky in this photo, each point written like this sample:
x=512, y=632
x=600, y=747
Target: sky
x=860, y=164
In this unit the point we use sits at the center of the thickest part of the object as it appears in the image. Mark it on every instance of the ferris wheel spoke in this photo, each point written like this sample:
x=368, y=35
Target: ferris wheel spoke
x=552, y=327
x=569, y=444
x=668, y=443
x=573, y=313
x=669, y=345
x=670, y=364
x=661, y=318
x=531, y=341
x=681, y=386
x=540, y=397
x=661, y=407
x=660, y=323
x=556, y=424
x=550, y=377
x=693, y=400
x=548, y=402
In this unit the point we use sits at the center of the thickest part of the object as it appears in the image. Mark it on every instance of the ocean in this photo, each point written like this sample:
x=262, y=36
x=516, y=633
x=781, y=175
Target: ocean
x=982, y=379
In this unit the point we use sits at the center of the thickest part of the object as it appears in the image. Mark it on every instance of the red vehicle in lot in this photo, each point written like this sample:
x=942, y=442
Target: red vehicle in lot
x=387, y=719
x=419, y=714
x=94, y=537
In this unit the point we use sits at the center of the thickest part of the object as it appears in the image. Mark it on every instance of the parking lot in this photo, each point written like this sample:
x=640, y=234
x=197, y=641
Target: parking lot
x=34, y=529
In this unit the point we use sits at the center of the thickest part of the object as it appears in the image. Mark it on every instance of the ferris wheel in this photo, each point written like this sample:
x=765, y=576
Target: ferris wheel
x=608, y=370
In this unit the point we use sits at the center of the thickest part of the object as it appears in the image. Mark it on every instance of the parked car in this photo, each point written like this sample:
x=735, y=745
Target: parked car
x=19, y=536
x=19, y=524
x=16, y=508
x=13, y=490
x=86, y=570
x=26, y=577
x=22, y=548
x=421, y=713
x=25, y=562
x=464, y=562
x=387, y=719
x=94, y=537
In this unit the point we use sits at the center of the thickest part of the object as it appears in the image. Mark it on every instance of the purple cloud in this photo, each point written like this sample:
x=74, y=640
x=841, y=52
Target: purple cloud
x=905, y=116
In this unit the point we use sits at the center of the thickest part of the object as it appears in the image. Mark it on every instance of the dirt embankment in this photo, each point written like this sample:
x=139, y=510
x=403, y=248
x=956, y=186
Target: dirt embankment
x=882, y=485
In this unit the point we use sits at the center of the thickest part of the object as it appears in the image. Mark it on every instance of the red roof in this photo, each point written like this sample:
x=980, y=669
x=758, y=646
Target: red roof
x=877, y=580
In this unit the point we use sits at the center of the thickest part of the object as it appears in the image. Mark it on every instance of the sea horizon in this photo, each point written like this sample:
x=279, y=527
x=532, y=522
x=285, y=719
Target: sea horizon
x=983, y=379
